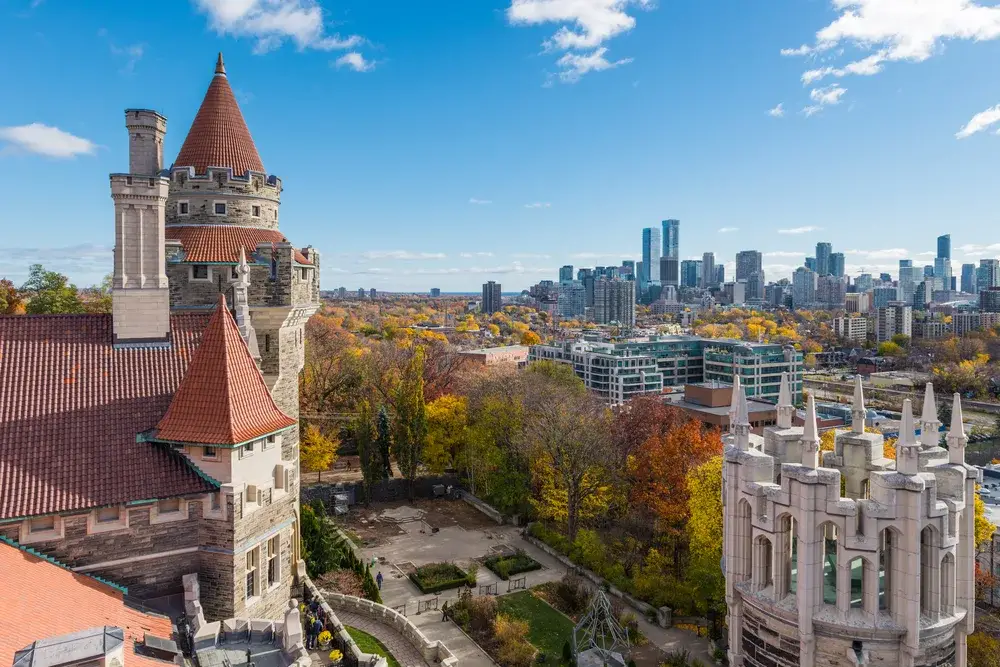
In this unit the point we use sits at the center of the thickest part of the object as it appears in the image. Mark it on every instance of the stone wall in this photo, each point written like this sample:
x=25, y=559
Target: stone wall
x=254, y=529
x=432, y=651
x=386, y=490
x=768, y=642
x=239, y=193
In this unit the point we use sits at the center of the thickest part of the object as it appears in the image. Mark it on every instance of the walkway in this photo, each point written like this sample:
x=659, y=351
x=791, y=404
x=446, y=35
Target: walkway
x=398, y=645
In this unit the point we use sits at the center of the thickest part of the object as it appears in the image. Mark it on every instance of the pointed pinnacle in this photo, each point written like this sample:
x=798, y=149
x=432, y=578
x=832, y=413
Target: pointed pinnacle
x=930, y=406
x=907, y=435
x=742, y=411
x=784, y=392
x=220, y=67
x=859, y=395
x=957, y=426
x=810, y=430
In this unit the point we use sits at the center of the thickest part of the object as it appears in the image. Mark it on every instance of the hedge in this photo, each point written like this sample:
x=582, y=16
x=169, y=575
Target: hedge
x=518, y=563
x=438, y=577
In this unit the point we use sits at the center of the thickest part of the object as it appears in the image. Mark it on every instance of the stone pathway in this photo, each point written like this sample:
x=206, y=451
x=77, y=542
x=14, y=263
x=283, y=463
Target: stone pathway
x=398, y=645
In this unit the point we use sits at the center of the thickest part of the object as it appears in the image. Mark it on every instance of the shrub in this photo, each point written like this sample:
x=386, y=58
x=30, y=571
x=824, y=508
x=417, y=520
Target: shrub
x=680, y=658
x=506, y=566
x=437, y=577
x=482, y=612
x=513, y=647
x=567, y=653
x=472, y=573
x=573, y=594
x=984, y=650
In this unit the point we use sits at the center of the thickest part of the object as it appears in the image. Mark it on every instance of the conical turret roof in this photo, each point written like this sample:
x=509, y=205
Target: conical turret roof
x=219, y=136
x=222, y=399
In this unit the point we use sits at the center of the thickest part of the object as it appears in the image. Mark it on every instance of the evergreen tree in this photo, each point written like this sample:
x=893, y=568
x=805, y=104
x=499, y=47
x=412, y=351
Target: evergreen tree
x=369, y=452
x=319, y=549
x=410, y=427
x=384, y=441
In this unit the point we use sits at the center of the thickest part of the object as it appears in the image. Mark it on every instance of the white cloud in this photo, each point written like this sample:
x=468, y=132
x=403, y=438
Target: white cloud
x=887, y=253
x=513, y=267
x=784, y=253
x=402, y=255
x=84, y=264
x=354, y=61
x=471, y=255
x=272, y=22
x=375, y=271
x=599, y=255
x=529, y=255
x=727, y=230
x=131, y=53
x=803, y=50
x=539, y=204
x=973, y=249
x=584, y=26
x=473, y=200
x=869, y=66
x=824, y=97
x=575, y=66
x=980, y=122
x=777, y=112
x=45, y=140
x=800, y=230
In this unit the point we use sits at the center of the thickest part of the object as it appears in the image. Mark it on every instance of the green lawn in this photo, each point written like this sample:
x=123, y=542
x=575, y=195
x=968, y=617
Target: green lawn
x=549, y=627
x=369, y=644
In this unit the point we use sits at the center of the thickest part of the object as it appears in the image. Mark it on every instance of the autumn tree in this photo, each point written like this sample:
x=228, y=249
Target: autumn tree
x=383, y=440
x=568, y=431
x=97, y=299
x=530, y=338
x=369, y=454
x=11, y=300
x=50, y=292
x=317, y=452
x=409, y=432
x=704, y=529
x=446, y=432
x=984, y=528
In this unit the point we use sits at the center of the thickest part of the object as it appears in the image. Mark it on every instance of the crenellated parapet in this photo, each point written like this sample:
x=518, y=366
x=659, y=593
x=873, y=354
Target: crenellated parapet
x=220, y=197
x=855, y=561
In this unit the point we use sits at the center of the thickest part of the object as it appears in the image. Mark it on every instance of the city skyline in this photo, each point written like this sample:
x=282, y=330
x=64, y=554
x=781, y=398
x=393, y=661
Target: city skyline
x=419, y=161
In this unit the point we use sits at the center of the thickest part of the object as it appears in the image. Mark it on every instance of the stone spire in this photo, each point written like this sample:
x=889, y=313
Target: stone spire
x=785, y=407
x=810, y=436
x=956, y=435
x=858, y=412
x=929, y=424
x=741, y=423
x=733, y=400
x=907, y=448
x=241, y=303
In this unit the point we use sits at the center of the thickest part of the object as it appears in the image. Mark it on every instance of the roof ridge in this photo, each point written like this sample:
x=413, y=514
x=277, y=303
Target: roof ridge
x=38, y=554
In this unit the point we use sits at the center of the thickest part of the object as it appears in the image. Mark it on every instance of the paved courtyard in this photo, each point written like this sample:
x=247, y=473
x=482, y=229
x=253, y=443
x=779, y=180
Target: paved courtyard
x=403, y=536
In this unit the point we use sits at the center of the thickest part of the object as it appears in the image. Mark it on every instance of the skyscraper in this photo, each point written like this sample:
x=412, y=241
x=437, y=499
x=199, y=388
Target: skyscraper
x=837, y=264
x=708, y=270
x=491, y=297
x=811, y=263
x=671, y=238
x=720, y=274
x=572, y=298
x=969, y=278
x=823, y=251
x=586, y=276
x=690, y=272
x=628, y=269
x=669, y=271
x=650, y=255
x=988, y=274
x=614, y=301
x=747, y=262
x=803, y=287
x=944, y=246
x=907, y=280
x=566, y=273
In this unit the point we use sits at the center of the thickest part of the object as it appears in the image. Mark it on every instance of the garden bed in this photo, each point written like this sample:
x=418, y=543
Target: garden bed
x=369, y=644
x=437, y=577
x=548, y=628
x=507, y=566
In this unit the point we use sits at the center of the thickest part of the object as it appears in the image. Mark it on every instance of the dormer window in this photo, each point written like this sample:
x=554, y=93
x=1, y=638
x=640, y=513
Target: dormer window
x=219, y=208
x=183, y=208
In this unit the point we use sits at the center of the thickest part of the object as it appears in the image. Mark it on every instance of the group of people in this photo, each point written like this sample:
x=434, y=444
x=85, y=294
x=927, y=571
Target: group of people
x=314, y=624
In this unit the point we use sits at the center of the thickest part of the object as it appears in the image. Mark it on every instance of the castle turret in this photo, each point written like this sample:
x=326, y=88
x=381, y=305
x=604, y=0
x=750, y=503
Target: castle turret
x=140, y=292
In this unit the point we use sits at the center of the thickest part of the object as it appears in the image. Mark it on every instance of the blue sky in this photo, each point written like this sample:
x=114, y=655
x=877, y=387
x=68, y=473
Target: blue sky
x=443, y=144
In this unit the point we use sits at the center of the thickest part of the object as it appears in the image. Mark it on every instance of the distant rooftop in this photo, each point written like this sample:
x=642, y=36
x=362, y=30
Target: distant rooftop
x=498, y=350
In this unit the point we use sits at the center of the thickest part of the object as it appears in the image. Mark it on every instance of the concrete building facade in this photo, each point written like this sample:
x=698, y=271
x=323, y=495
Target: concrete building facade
x=895, y=318
x=614, y=301
x=879, y=573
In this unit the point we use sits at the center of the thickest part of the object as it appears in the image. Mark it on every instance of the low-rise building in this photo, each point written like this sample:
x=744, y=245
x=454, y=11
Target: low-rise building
x=930, y=329
x=623, y=369
x=507, y=355
x=711, y=403
x=851, y=328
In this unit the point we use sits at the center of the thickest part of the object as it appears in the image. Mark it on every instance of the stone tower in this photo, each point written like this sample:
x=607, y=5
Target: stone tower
x=222, y=203
x=849, y=559
x=140, y=296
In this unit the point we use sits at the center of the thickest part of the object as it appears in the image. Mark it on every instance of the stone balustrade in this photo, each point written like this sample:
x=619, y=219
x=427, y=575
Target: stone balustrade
x=432, y=651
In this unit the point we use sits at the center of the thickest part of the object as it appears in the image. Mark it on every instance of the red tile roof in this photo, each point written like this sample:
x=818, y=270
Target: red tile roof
x=222, y=243
x=223, y=399
x=71, y=406
x=219, y=136
x=42, y=599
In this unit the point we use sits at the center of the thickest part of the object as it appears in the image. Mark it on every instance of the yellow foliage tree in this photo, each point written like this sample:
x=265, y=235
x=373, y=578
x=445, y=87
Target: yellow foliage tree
x=551, y=500
x=705, y=530
x=317, y=452
x=984, y=528
x=446, y=432
x=530, y=338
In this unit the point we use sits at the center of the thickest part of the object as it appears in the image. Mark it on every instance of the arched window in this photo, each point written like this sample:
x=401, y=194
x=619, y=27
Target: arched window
x=857, y=569
x=743, y=542
x=886, y=562
x=948, y=584
x=866, y=489
x=786, y=551
x=762, y=563
x=828, y=534
x=930, y=587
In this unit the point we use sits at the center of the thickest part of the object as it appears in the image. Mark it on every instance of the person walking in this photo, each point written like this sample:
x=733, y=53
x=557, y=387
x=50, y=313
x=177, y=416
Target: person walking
x=378, y=580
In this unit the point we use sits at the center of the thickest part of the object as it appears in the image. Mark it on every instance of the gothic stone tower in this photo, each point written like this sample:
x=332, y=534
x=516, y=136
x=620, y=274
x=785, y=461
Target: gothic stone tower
x=859, y=561
x=222, y=202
